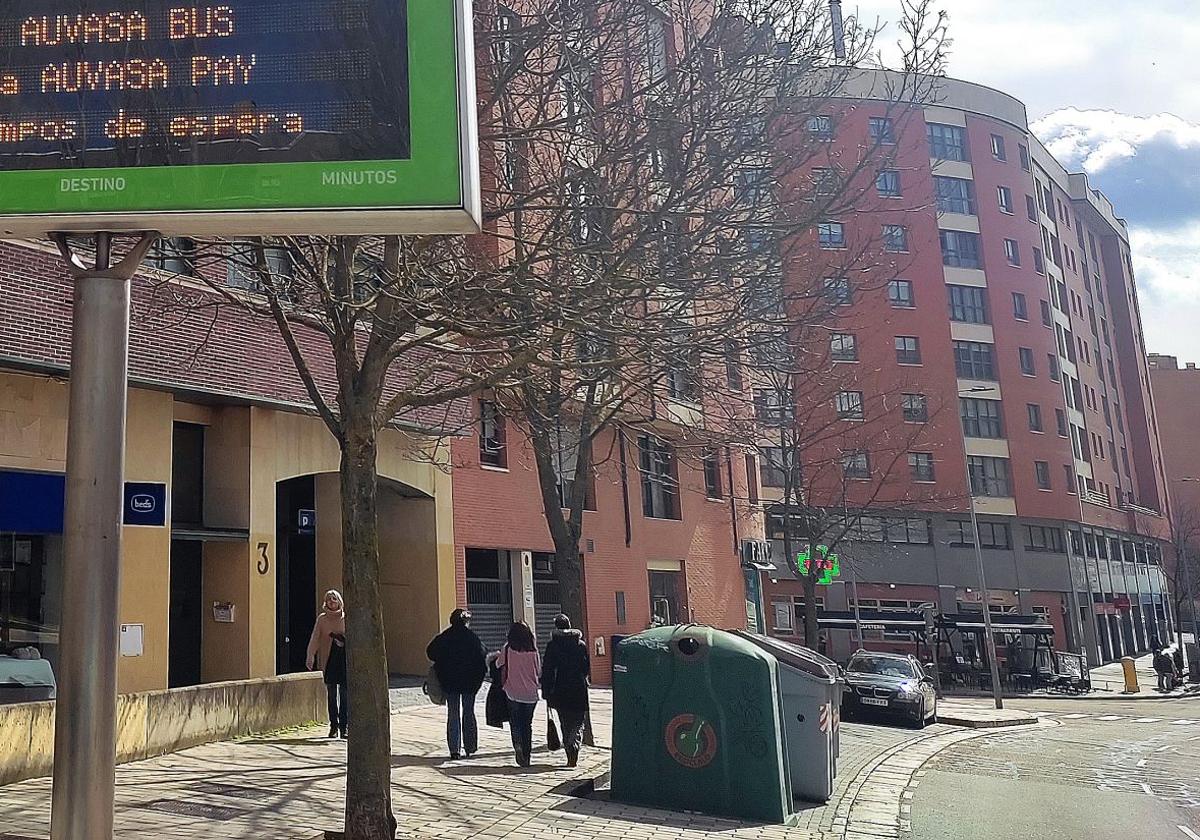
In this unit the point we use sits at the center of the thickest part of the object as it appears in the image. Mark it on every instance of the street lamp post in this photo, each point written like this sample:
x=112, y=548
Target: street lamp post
x=990, y=642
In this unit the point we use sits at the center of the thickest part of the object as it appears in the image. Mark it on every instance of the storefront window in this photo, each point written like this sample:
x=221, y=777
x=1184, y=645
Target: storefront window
x=30, y=593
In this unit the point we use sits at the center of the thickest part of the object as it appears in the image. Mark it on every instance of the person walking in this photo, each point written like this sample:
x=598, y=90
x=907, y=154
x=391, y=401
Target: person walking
x=565, y=674
x=460, y=662
x=327, y=651
x=520, y=664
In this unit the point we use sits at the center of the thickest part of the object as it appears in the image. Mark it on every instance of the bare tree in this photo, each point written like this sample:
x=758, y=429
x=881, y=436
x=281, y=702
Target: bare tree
x=1182, y=569
x=651, y=166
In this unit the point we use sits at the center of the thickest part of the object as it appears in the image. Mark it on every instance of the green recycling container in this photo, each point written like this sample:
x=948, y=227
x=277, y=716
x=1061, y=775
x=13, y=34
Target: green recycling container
x=697, y=725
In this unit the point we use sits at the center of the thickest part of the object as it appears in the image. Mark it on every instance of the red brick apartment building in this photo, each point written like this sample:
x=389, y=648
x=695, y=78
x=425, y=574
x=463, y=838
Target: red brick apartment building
x=1010, y=332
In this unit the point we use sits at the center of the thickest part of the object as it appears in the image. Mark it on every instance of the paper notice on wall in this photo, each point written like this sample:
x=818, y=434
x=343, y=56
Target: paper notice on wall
x=131, y=639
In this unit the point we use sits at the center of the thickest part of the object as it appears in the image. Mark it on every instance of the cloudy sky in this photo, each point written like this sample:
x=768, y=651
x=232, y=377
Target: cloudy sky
x=1113, y=88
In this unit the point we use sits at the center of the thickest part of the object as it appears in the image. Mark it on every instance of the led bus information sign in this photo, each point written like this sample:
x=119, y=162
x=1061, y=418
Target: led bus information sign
x=242, y=116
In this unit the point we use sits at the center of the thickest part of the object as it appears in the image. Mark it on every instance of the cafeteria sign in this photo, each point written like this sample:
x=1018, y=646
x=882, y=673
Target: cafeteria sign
x=237, y=117
x=827, y=565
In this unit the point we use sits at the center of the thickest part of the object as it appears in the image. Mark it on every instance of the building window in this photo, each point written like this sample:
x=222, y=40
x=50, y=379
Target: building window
x=980, y=418
x=1031, y=210
x=1004, y=197
x=921, y=465
x=989, y=476
x=1023, y=152
x=947, y=142
x=915, y=408
x=712, y=474
x=507, y=23
x=991, y=534
x=1047, y=317
x=954, y=195
x=176, y=254
x=825, y=181
x=1012, y=252
x=660, y=482
x=882, y=130
x=242, y=266
x=887, y=183
x=837, y=291
x=900, y=294
x=1060, y=420
x=849, y=405
x=832, y=234
x=960, y=249
x=1026, y=356
x=968, y=304
x=1035, y=417
x=843, y=347
x=908, y=350
x=856, y=464
x=1069, y=472
x=998, y=147
x=656, y=47
x=1020, y=308
x=973, y=360
x=733, y=367
x=774, y=473
x=772, y=406
x=493, y=450
x=895, y=239
x=1041, y=471
x=1039, y=262
x=1052, y=364
x=1043, y=538
x=752, y=479
x=821, y=127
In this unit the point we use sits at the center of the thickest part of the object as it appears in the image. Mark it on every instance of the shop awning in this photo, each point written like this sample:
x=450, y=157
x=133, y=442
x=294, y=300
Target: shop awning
x=888, y=620
x=973, y=622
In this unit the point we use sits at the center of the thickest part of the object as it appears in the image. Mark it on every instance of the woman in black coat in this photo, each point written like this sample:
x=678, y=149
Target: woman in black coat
x=565, y=673
x=460, y=661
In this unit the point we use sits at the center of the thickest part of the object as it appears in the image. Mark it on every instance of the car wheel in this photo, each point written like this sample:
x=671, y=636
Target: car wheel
x=919, y=723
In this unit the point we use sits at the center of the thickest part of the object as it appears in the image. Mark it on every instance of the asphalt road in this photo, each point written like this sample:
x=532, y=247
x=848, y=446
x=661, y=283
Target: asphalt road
x=1125, y=769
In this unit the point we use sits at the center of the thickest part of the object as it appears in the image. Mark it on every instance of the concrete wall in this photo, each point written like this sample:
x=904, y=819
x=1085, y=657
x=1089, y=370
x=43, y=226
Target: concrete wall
x=157, y=722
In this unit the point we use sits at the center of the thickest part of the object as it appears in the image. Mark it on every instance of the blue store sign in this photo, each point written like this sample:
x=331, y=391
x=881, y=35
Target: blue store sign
x=145, y=503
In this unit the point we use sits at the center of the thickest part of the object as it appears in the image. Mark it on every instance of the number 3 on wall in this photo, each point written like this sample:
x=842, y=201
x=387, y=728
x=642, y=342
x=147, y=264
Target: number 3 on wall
x=264, y=562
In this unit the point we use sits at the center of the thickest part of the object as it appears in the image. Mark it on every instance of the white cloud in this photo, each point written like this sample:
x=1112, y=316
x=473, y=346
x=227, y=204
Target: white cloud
x=1094, y=139
x=1168, y=277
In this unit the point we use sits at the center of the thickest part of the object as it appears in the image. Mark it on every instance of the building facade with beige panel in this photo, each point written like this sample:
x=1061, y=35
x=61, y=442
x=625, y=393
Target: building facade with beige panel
x=223, y=450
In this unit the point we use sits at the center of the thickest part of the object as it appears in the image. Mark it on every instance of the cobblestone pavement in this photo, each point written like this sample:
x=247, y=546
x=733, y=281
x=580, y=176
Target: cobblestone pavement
x=291, y=786
x=1096, y=770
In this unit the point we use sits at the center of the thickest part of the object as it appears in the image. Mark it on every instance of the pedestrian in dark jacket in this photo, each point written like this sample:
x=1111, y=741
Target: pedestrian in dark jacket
x=1164, y=668
x=460, y=662
x=565, y=672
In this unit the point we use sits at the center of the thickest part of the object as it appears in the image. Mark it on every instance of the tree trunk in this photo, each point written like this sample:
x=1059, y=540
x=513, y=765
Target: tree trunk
x=568, y=566
x=368, y=759
x=810, y=607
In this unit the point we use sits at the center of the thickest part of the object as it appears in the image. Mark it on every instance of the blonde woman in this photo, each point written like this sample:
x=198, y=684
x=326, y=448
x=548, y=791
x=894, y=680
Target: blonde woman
x=327, y=651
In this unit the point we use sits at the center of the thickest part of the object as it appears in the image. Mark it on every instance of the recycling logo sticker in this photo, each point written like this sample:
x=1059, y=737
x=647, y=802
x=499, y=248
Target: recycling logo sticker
x=691, y=740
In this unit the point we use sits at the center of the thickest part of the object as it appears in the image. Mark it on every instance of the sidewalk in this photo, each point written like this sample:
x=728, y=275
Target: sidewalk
x=290, y=787
x=1110, y=679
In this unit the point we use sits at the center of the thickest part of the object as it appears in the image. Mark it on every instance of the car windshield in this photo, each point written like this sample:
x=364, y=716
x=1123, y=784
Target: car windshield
x=881, y=665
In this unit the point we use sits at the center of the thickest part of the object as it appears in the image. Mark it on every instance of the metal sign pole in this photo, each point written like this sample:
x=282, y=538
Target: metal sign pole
x=85, y=734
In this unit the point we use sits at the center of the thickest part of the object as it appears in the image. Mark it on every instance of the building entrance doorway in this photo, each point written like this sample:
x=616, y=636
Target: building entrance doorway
x=296, y=593
x=185, y=613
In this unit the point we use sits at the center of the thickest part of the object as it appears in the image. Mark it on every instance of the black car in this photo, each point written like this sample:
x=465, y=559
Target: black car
x=888, y=685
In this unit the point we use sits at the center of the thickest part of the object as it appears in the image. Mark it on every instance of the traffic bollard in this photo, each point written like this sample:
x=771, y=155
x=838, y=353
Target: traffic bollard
x=1131, y=680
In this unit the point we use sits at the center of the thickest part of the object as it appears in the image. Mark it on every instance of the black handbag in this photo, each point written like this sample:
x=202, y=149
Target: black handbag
x=495, y=709
x=552, y=739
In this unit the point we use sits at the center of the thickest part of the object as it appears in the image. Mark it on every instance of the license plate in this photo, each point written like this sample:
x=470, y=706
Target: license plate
x=873, y=701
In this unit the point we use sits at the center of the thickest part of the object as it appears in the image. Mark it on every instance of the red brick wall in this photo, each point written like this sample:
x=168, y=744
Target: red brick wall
x=502, y=509
x=182, y=338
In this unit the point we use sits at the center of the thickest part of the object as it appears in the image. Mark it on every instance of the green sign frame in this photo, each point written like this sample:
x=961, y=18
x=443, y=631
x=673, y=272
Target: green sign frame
x=436, y=190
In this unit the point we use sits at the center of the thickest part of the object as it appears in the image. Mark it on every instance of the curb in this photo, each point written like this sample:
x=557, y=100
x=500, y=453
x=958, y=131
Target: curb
x=972, y=723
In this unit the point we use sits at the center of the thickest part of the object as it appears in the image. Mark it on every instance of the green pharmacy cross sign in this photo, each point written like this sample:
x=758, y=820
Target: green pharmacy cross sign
x=827, y=564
